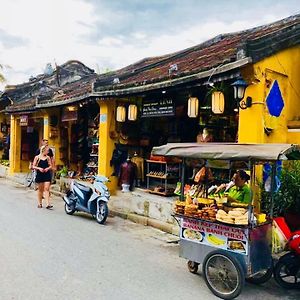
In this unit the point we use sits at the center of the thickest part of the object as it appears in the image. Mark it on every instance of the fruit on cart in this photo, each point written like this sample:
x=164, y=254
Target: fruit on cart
x=239, y=205
x=179, y=207
x=214, y=240
x=205, y=201
x=207, y=213
x=237, y=216
x=190, y=210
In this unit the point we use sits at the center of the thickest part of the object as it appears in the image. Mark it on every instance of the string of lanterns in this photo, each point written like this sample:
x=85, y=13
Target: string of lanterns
x=217, y=103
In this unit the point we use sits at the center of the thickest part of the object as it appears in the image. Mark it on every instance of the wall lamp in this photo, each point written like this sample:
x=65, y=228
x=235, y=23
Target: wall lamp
x=239, y=88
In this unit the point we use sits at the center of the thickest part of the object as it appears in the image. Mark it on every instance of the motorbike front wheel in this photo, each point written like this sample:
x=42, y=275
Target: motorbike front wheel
x=102, y=213
x=69, y=209
x=287, y=271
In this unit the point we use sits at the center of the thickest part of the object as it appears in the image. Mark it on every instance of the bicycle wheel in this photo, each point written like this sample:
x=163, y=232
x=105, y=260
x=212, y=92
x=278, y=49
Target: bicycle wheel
x=29, y=178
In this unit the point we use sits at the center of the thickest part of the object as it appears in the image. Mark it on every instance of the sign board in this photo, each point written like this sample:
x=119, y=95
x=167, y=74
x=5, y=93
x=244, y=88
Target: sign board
x=68, y=115
x=158, y=108
x=230, y=238
x=24, y=120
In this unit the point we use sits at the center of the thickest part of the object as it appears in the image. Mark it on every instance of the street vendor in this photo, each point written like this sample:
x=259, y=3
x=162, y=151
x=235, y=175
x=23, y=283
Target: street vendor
x=240, y=192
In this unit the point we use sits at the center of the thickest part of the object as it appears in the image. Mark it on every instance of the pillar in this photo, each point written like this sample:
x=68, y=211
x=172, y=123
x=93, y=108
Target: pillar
x=106, y=144
x=15, y=145
x=46, y=127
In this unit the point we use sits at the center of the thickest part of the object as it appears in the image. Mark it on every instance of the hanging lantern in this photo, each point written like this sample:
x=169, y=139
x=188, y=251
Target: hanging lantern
x=193, y=107
x=132, y=112
x=121, y=114
x=217, y=102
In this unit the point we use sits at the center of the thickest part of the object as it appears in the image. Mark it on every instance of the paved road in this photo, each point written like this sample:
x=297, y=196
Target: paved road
x=50, y=255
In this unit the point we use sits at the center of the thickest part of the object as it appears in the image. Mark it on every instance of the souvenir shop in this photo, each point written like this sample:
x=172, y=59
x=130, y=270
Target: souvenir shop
x=79, y=138
x=167, y=117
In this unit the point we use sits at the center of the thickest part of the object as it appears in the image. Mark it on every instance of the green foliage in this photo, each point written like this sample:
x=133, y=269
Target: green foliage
x=4, y=162
x=62, y=172
x=287, y=198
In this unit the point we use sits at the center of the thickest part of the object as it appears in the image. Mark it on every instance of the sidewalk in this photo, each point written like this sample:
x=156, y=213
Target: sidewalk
x=136, y=206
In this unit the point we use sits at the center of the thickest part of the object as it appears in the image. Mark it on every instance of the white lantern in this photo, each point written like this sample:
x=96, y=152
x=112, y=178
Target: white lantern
x=193, y=107
x=121, y=114
x=217, y=102
x=132, y=112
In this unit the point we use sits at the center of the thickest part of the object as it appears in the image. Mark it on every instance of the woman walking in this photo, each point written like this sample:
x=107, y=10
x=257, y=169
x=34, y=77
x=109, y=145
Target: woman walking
x=42, y=164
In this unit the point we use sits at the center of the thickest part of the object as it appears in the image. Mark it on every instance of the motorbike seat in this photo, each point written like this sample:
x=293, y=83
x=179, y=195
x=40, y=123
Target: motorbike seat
x=87, y=191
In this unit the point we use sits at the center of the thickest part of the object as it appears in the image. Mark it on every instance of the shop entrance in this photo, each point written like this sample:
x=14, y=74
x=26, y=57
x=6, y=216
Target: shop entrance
x=29, y=143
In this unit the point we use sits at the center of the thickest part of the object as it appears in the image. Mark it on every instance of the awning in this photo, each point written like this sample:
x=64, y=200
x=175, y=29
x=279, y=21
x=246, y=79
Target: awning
x=230, y=151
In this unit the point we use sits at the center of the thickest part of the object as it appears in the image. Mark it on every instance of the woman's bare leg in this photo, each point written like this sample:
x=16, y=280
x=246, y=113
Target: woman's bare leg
x=46, y=192
x=40, y=193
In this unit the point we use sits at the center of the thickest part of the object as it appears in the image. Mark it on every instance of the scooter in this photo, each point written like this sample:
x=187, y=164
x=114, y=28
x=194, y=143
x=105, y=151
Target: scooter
x=287, y=269
x=90, y=200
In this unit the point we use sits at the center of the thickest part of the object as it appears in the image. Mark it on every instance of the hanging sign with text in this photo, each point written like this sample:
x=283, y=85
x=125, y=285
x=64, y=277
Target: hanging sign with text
x=216, y=235
x=158, y=108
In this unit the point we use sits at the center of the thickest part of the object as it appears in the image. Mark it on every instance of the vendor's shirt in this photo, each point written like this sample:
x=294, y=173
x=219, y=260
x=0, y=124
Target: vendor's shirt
x=240, y=194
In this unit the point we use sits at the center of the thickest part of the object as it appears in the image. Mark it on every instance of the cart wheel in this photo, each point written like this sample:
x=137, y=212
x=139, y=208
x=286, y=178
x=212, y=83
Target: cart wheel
x=261, y=277
x=223, y=274
x=192, y=266
x=287, y=272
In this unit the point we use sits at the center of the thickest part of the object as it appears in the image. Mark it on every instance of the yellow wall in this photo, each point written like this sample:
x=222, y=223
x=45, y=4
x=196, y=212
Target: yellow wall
x=106, y=144
x=283, y=67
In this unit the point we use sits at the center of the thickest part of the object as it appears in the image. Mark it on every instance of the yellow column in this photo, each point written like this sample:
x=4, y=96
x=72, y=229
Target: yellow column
x=106, y=144
x=46, y=127
x=251, y=121
x=15, y=145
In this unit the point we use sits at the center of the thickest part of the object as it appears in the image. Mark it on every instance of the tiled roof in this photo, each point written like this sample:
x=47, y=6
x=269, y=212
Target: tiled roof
x=221, y=50
x=51, y=90
x=71, y=92
x=27, y=105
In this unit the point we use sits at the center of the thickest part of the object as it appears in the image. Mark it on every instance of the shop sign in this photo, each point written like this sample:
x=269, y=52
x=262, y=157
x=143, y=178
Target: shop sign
x=216, y=235
x=69, y=115
x=158, y=108
x=24, y=120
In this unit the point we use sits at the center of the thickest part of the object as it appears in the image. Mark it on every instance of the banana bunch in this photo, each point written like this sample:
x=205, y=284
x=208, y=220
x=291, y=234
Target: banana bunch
x=214, y=240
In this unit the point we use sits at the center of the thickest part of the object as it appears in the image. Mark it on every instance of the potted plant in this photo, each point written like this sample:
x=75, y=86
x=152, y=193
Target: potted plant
x=287, y=198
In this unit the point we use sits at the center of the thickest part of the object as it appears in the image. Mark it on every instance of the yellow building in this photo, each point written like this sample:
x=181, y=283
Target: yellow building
x=173, y=93
x=166, y=99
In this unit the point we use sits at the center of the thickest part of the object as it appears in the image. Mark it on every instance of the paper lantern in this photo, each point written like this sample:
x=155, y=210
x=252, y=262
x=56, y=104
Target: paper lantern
x=121, y=114
x=193, y=107
x=132, y=112
x=217, y=102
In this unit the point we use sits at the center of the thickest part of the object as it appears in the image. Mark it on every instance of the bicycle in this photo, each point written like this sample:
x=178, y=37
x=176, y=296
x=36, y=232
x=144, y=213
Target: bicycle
x=30, y=178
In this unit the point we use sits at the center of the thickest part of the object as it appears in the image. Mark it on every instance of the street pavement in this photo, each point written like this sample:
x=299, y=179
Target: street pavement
x=50, y=255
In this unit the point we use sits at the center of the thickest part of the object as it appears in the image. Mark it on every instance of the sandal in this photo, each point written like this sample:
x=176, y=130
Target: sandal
x=49, y=206
x=40, y=206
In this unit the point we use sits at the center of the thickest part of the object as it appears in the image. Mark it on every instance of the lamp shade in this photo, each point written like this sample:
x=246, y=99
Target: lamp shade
x=121, y=114
x=217, y=102
x=132, y=112
x=193, y=107
x=239, y=88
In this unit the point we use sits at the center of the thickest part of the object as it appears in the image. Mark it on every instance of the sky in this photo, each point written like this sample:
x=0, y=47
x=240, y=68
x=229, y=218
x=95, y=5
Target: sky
x=110, y=34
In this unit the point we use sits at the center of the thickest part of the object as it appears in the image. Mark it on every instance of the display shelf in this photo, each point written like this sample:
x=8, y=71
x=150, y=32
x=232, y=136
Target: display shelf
x=167, y=173
x=162, y=177
x=161, y=162
x=91, y=166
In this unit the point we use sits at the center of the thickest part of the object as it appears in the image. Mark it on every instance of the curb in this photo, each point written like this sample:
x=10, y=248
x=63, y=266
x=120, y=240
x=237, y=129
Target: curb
x=146, y=221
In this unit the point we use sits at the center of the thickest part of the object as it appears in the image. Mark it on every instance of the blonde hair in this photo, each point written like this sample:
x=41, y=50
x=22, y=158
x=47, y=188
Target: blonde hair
x=42, y=150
